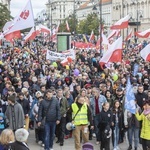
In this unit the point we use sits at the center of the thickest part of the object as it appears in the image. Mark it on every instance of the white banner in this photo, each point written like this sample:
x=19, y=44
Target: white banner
x=55, y=56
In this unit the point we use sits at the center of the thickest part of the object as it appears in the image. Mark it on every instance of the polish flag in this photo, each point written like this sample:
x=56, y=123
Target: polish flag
x=66, y=61
x=121, y=24
x=24, y=20
x=114, y=33
x=145, y=53
x=113, y=54
x=67, y=26
x=144, y=34
x=32, y=34
x=11, y=36
x=92, y=36
x=129, y=35
x=44, y=29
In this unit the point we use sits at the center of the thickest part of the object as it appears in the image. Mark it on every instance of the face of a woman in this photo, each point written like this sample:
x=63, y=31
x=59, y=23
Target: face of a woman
x=83, y=93
x=117, y=104
x=108, y=94
x=147, y=107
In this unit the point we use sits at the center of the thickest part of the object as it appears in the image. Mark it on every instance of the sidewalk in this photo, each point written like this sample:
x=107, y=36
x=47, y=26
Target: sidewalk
x=69, y=144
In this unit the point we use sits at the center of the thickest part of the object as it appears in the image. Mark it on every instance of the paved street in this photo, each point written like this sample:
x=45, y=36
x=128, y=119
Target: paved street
x=68, y=144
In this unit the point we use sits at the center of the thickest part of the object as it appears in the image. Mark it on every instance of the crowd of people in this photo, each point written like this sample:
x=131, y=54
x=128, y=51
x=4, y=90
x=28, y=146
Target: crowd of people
x=44, y=95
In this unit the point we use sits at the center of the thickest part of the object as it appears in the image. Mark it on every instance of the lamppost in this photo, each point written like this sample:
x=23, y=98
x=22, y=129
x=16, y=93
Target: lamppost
x=139, y=13
x=101, y=25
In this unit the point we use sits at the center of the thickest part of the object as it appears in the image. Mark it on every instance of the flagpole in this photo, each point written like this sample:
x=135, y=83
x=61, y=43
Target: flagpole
x=100, y=9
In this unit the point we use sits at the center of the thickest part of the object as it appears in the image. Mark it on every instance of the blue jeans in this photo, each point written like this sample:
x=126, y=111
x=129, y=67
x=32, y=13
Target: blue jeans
x=96, y=123
x=115, y=136
x=49, y=134
x=133, y=131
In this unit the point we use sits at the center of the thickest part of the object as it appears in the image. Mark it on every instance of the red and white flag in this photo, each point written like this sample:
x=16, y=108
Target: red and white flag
x=145, y=53
x=66, y=61
x=114, y=33
x=11, y=36
x=113, y=54
x=121, y=24
x=67, y=26
x=23, y=21
x=32, y=34
x=44, y=29
x=92, y=36
x=144, y=34
x=129, y=35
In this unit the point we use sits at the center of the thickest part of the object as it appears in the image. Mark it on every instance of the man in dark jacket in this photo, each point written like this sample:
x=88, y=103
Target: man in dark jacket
x=141, y=96
x=26, y=108
x=60, y=128
x=50, y=110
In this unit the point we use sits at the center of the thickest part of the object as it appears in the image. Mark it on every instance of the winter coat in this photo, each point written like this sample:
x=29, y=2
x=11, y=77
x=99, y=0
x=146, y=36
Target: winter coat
x=19, y=146
x=63, y=106
x=130, y=119
x=53, y=112
x=140, y=98
x=25, y=105
x=14, y=116
x=145, y=126
x=105, y=119
x=119, y=115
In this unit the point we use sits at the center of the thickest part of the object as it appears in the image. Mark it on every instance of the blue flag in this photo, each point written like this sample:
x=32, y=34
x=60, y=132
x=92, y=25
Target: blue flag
x=130, y=98
x=135, y=69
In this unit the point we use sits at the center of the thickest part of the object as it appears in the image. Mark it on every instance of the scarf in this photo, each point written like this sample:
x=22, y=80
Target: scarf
x=147, y=114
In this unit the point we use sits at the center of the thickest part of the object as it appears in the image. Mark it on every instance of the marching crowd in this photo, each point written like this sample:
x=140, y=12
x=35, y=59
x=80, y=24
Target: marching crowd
x=52, y=99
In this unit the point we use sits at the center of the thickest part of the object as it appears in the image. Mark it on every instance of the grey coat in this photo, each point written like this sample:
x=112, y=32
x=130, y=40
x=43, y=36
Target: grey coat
x=15, y=116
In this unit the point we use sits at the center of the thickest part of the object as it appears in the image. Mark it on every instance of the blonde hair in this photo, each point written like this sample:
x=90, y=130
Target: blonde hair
x=7, y=136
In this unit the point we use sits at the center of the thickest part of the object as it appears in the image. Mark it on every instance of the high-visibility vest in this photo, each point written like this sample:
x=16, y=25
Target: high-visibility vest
x=82, y=116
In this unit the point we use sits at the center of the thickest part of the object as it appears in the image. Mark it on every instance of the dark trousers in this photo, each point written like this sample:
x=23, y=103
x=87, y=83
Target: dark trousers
x=60, y=130
x=145, y=144
x=39, y=135
x=105, y=144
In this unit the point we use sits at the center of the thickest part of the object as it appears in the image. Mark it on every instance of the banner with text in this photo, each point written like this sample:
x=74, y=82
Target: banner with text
x=55, y=56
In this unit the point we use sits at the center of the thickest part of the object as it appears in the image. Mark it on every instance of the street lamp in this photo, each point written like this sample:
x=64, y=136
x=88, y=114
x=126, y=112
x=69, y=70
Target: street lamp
x=101, y=26
x=139, y=13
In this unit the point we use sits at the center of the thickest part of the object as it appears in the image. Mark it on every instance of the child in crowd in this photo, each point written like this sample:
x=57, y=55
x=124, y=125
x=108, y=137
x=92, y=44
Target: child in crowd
x=105, y=126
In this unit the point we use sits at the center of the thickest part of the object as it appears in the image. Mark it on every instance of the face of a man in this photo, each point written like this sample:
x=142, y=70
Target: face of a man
x=21, y=97
x=60, y=94
x=140, y=89
x=49, y=95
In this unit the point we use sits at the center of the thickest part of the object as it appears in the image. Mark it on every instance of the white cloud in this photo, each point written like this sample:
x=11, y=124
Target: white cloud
x=17, y=5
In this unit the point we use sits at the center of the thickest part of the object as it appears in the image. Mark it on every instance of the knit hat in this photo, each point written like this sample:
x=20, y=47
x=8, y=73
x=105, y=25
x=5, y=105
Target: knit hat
x=21, y=135
x=12, y=98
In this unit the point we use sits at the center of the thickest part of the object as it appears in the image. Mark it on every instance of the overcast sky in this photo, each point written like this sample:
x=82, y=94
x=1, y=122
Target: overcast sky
x=17, y=5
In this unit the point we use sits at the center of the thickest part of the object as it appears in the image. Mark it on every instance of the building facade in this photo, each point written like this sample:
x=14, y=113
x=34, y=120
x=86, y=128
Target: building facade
x=58, y=10
x=87, y=8
x=138, y=9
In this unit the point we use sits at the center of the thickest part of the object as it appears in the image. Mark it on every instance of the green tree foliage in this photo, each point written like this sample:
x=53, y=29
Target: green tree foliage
x=72, y=22
x=4, y=15
x=92, y=22
x=85, y=26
